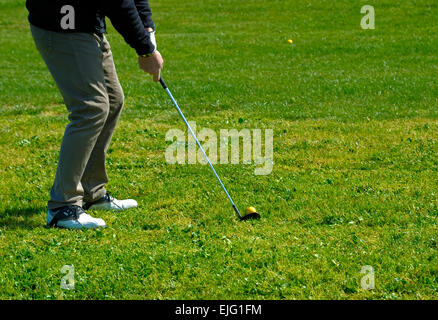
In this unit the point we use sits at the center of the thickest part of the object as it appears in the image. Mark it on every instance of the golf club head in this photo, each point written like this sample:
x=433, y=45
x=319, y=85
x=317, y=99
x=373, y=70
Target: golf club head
x=250, y=216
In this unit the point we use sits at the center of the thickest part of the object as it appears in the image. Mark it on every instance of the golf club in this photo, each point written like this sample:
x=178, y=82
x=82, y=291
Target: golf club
x=250, y=215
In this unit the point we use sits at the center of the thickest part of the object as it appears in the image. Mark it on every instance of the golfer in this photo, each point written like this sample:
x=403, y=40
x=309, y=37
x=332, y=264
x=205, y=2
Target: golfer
x=69, y=34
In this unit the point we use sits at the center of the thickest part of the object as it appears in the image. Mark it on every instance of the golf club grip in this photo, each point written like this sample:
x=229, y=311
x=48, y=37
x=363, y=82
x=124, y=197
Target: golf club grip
x=163, y=84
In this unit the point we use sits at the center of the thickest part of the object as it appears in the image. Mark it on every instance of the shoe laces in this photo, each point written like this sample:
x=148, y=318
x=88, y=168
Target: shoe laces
x=111, y=199
x=70, y=212
x=74, y=210
x=108, y=197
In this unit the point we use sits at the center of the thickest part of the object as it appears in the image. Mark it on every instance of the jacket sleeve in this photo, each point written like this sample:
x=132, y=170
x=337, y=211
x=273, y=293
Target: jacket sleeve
x=126, y=20
x=145, y=12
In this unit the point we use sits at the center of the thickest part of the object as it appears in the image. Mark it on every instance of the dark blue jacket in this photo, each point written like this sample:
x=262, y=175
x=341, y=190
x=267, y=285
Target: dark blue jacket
x=129, y=17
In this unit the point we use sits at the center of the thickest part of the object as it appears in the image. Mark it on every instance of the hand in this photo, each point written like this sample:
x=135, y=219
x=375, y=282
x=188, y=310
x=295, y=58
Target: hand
x=152, y=65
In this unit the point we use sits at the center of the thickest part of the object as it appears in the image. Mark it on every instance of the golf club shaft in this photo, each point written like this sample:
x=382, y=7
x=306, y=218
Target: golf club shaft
x=198, y=143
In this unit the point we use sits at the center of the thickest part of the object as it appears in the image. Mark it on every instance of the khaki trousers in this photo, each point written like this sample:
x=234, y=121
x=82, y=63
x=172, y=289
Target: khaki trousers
x=83, y=68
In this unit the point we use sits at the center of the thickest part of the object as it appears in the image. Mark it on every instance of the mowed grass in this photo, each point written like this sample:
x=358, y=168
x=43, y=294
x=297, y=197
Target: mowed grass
x=354, y=182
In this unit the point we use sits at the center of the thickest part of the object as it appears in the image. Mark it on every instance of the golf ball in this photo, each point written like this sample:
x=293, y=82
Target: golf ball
x=250, y=210
x=290, y=41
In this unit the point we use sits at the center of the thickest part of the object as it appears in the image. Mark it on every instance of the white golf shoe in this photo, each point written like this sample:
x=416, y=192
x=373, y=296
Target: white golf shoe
x=107, y=202
x=72, y=217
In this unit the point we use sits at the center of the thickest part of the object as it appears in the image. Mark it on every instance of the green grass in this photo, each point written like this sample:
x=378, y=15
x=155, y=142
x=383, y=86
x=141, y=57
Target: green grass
x=355, y=119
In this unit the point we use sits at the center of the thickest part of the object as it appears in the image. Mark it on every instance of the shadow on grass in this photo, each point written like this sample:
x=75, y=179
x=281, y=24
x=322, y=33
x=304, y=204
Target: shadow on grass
x=22, y=218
